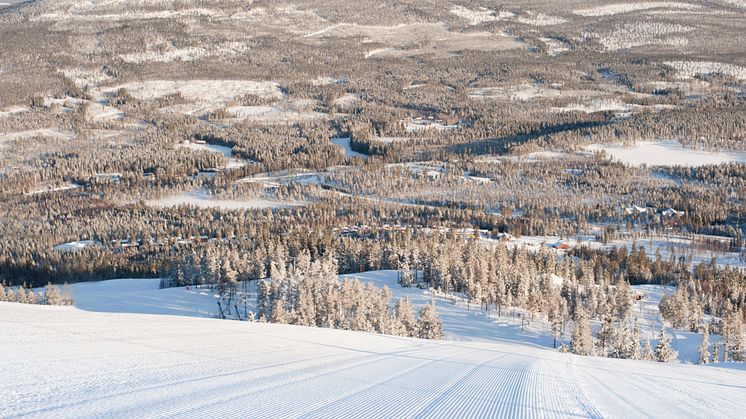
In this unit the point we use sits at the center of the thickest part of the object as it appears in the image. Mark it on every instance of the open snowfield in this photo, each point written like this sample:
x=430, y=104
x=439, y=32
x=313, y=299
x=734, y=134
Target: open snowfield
x=666, y=153
x=419, y=38
x=201, y=200
x=619, y=8
x=65, y=362
x=206, y=91
x=345, y=144
x=461, y=321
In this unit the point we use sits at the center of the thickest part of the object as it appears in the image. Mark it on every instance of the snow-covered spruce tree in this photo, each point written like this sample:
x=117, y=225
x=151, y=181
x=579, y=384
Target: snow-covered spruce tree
x=405, y=323
x=663, y=351
x=715, y=353
x=647, y=352
x=31, y=297
x=605, y=337
x=279, y=315
x=263, y=301
x=406, y=274
x=733, y=334
x=704, y=353
x=52, y=295
x=624, y=345
x=581, y=342
x=3, y=296
x=228, y=282
x=556, y=317
x=429, y=325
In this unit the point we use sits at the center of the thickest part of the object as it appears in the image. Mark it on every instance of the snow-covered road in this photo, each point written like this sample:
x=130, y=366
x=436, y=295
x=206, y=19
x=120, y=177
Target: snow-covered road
x=64, y=362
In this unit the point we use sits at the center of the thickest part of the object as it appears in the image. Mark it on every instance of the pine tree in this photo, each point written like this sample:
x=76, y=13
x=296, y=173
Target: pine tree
x=263, y=301
x=648, y=354
x=404, y=318
x=52, y=295
x=704, y=353
x=31, y=297
x=556, y=318
x=279, y=315
x=663, y=351
x=581, y=342
x=735, y=348
x=715, y=353
x=605, y=336
x=406, y=275
x=429, y=325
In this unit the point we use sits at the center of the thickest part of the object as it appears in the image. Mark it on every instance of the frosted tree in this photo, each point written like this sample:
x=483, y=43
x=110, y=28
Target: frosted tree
x=605, y=336
x=581, y=342
x=52, y=295
x=704, y=353
x=263, y=301
x=3, y=296
x=663, y=351
x=306, y=308
x=715, y=353
x=279, y=315
x=406, y=275
x=733, y=335
x=623, y=300
x=647, y=353
x=227, y=282
x=31, y=297
x=429, y=325
x=405, y=323
x=556, y=317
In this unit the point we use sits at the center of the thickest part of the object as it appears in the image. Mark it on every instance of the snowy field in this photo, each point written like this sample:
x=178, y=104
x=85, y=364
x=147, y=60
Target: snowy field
x=201, y=200
x=666, y=153
x=345, y=144
x=65, y=362
x=461, y=321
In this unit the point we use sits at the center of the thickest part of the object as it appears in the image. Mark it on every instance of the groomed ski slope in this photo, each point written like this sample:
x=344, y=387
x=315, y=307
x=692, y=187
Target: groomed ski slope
x=65, y=362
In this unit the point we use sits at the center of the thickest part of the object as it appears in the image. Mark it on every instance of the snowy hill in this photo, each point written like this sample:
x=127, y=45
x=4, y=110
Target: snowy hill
x=461, y=321
x=65, y=362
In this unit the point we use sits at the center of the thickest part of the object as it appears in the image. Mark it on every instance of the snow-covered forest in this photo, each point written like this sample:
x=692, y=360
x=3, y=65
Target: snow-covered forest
x=413, y=208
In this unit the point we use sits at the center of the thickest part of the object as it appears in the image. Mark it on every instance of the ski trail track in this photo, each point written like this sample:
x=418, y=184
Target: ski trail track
x=64, y=362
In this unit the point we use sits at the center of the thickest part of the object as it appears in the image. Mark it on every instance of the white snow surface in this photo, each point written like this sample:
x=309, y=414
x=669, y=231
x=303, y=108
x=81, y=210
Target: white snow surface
x=200, y=199
x=619, y=8
x=65, y=362
x=345, y=144
x=666, y=153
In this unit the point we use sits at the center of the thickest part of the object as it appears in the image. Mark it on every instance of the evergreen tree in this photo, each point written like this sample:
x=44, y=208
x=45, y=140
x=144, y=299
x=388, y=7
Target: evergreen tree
x=704, y=353
x=581, y=343
x=52, y=295
x=647, y=353
x=663, y=351
x=279, y=315
x=263, y=301
x=404, y=318
x=429, y=325
x=406, y=275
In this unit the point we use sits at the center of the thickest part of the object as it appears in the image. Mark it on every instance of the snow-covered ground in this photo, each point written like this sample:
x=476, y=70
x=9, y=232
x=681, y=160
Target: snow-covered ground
x=202, y=200
x=75, y=246
x=461, y=321
x=664, y=153
x=681, y=246
x=206, y=91
x=345, y=144
x=65, y=362
x=619, y=8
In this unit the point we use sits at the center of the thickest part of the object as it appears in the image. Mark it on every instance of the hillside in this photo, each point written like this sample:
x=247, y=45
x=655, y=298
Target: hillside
x=122, y=365
x=461, y=321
